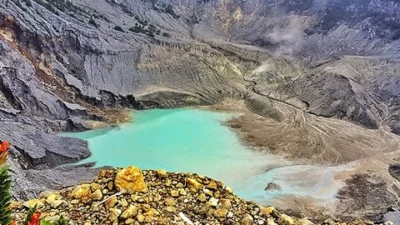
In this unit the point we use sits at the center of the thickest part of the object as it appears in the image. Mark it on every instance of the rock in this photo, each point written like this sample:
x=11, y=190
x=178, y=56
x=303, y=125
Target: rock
x=212, y=185
x=52, y=218
x=174, y=193
x=111, y=202
x=285, y=220
x=221, y=213
x=208, y=192
x=182, y=191
x=110, y=186
x=246, y=220
x=140, y=218
x=169, y=202
x=81, y=192
x=392, y=217
x=202, y=197
x=114, y=214
x=97, y=195
x=129, y=221
x=304, y=221
x=271, y=221
x=124, y=203
x=161, y=173
x=213, y=201
x=32, y=203
x=130, y=180
x=192, y=183
x=272, y=187
x=51, y=198
x=131, y=212
x=170, y=209
x=226, y=203
x=56, y=203
x=267, y=210
x=228, y=189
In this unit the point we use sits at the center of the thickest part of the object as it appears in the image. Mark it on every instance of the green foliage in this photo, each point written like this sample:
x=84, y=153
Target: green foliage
x=5, y=196
x=29, y=215
x=61, y=221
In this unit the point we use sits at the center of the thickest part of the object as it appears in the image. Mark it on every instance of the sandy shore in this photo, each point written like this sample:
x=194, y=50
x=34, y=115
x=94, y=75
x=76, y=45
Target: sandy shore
x=308, y=139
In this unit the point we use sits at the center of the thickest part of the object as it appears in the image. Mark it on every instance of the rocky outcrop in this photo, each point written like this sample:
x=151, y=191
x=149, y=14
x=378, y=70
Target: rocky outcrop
x=170, y=198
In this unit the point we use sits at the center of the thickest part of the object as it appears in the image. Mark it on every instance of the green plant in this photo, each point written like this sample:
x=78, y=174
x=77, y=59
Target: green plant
x=5, y=196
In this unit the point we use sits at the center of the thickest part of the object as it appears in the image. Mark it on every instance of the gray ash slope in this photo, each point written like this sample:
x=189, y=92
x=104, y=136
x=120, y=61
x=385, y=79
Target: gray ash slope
x=62, y=62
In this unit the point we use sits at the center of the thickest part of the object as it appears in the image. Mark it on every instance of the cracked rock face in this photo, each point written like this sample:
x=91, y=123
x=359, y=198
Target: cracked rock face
x=63, y=63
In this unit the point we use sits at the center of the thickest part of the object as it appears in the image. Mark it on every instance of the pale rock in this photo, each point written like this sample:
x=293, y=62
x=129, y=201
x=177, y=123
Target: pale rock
x=130, y=212
x=286, y=220
x=97, y=195
x=56, y=203
x=170, y=209
x=192, y=183
x=246, y=220
x=32, y=203
x=174, y=193
x=140, y=218
x=130, y=221
x=202, y=197
x=213, y=201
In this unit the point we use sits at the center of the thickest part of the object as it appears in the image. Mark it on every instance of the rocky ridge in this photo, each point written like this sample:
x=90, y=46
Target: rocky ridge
x=131, y=196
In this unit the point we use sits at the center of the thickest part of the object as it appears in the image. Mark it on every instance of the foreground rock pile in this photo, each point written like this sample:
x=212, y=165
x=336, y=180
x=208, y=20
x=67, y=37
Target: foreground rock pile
x=132, y=196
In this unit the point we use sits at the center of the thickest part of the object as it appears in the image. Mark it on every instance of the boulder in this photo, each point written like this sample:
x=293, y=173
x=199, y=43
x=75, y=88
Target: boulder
x=130, y=180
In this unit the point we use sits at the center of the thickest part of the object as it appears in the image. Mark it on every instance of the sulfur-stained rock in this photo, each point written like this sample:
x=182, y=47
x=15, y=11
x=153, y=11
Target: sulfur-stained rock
x=130, y=180
x=271, y=221
x=32, y=203
x=130, y=212
x=129, y=221
x=56, y=203
x=161, y=173
x=192, y=183
x=174, y=193
x=97, y=195
x=212, y=185
x=51, y=198
x=202, y=197
x=226, y=203
x=81, y=192
x=140, y=218
x=267, y=210
x=221, y=213
x=114, y=214
x=285, y=220
x=111, y=202
x=246, y=220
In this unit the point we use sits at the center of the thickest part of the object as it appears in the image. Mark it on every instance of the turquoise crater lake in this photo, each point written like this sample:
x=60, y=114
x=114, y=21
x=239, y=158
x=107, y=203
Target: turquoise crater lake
x=195, y=140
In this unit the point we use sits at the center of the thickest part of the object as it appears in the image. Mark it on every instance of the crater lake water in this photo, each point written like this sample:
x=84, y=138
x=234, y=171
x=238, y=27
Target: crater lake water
x=195, y=140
